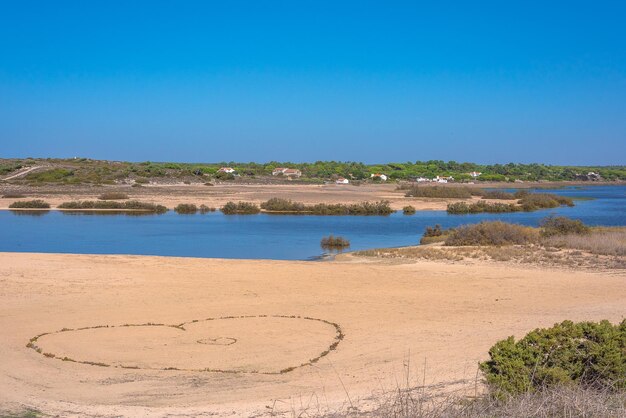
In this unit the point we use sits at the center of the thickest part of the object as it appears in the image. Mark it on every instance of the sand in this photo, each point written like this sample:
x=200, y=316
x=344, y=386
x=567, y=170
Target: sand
x=437, y=316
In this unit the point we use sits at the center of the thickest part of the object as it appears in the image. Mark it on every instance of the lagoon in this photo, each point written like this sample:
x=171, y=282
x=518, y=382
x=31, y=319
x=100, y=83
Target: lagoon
x=264, y=236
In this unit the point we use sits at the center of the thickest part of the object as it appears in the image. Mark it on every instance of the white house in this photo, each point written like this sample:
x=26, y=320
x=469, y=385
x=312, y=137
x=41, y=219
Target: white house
x=229, y=170
x=475, y=174
x=289, y=172
x=383, y=177
x=422, y=180
x=443, y=179
x=341, y=180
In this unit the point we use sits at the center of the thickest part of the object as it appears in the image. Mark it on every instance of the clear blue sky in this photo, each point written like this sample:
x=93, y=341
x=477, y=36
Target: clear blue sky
x=483, y=81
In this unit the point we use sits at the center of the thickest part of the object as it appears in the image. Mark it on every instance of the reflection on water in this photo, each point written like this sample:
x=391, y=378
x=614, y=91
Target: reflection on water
x=108, y=212
x=263, y=235
x=30, y=212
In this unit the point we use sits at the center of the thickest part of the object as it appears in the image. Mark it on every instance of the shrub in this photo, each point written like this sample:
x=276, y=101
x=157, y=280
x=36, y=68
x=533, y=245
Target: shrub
x=30, y=204
x=364, y=208
x=240, y=208
x=224, y=176
x=435, y=231
x=106, y=205
x=462, y=208
x=277, y=204
x=492, y=233
x=334, y=242
x=497, y=194
x=54, y=175
x=408, y=210
x=142, y=180
x=113, y=196
x=561, y=225
x=186, y=208
x=205, y=209
x=588, y=353
x=12, y=195
x=534, y=201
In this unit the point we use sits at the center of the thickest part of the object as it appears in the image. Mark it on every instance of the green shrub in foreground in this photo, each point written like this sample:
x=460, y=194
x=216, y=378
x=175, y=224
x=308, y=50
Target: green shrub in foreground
x=30, y=204
x=588, y=353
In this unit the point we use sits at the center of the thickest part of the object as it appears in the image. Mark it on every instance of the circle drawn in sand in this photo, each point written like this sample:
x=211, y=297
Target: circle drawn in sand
x=217, y=341
x=259, y=344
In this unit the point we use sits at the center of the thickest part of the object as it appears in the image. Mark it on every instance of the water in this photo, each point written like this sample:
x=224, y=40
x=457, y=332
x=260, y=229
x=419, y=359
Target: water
x=282, y=237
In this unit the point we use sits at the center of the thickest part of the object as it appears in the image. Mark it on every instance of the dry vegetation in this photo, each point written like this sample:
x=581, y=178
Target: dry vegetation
x=560, y=242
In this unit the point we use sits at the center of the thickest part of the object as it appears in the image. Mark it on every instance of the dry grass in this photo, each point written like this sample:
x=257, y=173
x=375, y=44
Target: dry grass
x=492, y=233
x=611, y=242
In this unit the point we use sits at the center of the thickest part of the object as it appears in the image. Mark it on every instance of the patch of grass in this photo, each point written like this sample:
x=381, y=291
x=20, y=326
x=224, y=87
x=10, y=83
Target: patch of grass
x=334, y=242
x=13, y=195
x=109, y=205
x=113, y=196
x=492, y=234
x=55, y=175
x=30, y=204
x=186, y=209
x=600, y=241
x=240, y=208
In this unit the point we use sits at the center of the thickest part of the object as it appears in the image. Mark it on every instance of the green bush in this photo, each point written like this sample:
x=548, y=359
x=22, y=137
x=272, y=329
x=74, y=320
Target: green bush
x=492, y=233
x=364, y=208
x=535, y=201
x=240, y=208
x=408, y=210
x=55, y=175
x=588, y=353
x=334, y=242
x=186, y=209
x=30, y=204
x=562, y=225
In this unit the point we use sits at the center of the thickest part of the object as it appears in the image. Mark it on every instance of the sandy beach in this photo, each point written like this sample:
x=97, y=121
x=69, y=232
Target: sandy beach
x=262, y=324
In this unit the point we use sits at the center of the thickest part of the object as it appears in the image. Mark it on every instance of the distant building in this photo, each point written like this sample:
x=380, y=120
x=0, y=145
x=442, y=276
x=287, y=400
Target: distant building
x=228, y=170
x=422, y=180
x=383, y=177
x=443, y=179
x=475, y=174
x=341, y=180
x=288, y=172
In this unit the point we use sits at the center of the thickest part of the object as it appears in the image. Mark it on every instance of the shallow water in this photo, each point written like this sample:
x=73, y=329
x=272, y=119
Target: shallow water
x=281, y=237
